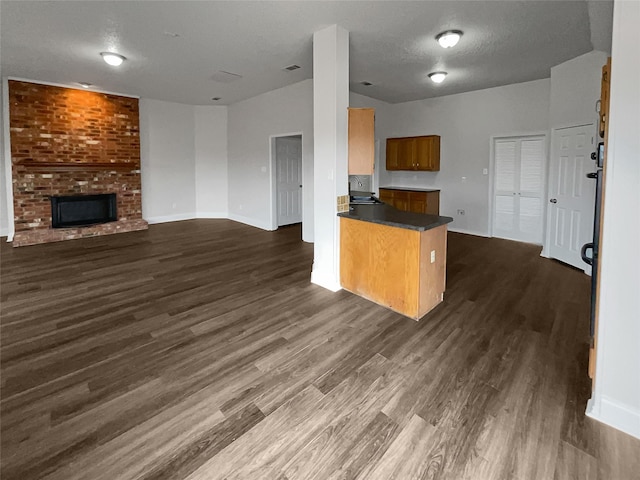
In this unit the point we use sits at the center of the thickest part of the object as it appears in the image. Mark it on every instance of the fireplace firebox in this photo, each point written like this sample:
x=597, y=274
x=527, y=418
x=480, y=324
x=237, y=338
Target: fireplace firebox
x=82, y=210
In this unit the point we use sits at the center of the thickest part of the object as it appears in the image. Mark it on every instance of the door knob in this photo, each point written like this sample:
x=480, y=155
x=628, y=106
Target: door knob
x=554, y=200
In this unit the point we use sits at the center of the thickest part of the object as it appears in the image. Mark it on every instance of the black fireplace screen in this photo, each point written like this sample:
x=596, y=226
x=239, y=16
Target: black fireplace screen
x=82, y=210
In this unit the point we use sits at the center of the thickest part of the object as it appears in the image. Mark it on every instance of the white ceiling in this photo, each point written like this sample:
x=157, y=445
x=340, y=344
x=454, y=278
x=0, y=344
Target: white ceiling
x=392, y=44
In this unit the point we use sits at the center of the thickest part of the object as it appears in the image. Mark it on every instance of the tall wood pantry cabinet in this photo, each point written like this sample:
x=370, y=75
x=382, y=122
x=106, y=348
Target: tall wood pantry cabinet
x=361, y=141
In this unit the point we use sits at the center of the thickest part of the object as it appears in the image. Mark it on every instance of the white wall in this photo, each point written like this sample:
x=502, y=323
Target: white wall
x=616, y=398
x=167, y=151
x=211, y=162
x=4, y=216
x=251, y=123
x=4, y=220
x=465, y=123
x=575, y=88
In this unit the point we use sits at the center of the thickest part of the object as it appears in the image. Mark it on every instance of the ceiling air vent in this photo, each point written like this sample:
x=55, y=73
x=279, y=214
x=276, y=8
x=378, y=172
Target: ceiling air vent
x=366, y=84
x=225, y=77
x=216, y=98
x=291, y=68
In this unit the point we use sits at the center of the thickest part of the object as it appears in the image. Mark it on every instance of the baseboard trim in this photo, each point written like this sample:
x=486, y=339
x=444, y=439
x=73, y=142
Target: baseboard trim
x=467, y=232
x=612, y=413
x=325, y=282
x=212, y=215
x=171, y=218
x=252, y=222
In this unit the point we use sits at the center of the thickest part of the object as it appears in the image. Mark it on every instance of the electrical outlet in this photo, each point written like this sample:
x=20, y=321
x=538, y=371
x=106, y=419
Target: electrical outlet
x=433, y=256
x=460, y=212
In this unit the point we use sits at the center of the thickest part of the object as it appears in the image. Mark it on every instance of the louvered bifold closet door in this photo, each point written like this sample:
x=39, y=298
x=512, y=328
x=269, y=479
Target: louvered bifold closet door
x=518, y=188
x=504, y=204
x=532, y=156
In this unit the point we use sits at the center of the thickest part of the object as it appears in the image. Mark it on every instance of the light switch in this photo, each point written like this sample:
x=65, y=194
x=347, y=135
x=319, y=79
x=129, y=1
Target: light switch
x=433, y=256
x=485, y=171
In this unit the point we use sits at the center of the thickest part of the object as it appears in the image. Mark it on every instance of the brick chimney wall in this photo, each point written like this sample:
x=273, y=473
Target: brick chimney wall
x=72, y=142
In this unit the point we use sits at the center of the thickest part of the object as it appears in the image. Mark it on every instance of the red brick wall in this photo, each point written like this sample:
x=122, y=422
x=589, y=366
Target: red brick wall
x=65, y=142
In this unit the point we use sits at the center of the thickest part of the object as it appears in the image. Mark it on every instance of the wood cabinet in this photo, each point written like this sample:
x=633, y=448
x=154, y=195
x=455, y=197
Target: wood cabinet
x=412, y=200
x=414, y=153
x=395, y=267
x=361, y=141
x=604, y=98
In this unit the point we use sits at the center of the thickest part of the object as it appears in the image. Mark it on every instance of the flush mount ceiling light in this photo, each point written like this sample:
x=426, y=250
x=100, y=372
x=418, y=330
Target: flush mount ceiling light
x=437, y=77
x=449, y=39
x=113, y=59
x=84, y=84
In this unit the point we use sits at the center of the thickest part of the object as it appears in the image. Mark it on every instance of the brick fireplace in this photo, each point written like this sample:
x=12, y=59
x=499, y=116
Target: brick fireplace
x=72, y=142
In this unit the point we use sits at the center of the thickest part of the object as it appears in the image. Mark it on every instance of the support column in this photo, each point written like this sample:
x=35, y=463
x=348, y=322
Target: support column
x=330, y=169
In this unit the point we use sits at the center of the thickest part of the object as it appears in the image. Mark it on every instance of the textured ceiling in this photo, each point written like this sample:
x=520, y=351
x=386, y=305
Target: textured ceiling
x=392, y=44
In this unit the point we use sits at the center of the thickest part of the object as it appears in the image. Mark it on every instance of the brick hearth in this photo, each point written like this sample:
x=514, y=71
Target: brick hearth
x=72, y=142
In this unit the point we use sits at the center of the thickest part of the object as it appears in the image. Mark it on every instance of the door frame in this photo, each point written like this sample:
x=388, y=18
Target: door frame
x=545, y=170
x=273, y=197
x=552, y=143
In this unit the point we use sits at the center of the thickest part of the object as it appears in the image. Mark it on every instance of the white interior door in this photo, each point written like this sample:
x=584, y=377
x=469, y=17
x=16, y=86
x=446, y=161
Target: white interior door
x=518, y=186
x=571, y=194
x=289, y=179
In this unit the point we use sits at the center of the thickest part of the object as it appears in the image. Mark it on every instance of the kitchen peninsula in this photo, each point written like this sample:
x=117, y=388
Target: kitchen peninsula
x=394, y=258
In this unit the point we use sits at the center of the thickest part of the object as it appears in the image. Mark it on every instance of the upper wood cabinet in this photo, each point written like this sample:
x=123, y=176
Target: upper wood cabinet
x=414, y=153
x=361, y=141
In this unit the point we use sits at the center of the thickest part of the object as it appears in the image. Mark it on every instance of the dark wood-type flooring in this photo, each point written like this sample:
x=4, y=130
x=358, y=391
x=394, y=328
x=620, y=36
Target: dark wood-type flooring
x=199, y=350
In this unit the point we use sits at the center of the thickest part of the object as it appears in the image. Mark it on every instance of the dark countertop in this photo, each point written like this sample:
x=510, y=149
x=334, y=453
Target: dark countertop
x=412, y=189
x=387, y=215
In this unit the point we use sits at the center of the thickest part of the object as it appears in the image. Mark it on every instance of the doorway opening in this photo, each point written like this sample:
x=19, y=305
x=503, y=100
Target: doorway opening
x=572, y=194
x=286, y=179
